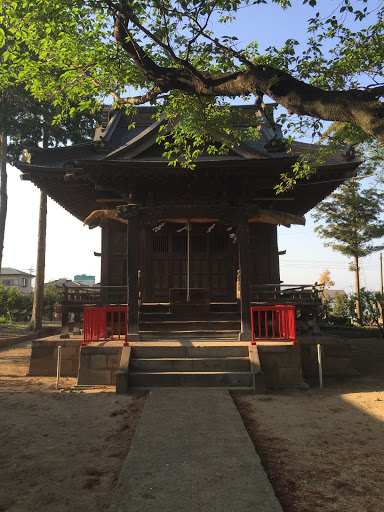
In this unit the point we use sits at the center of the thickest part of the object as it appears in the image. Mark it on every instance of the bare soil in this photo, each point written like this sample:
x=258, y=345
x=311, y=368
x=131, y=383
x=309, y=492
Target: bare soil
x=60, y=450
x=64, y=450
x=324, y=449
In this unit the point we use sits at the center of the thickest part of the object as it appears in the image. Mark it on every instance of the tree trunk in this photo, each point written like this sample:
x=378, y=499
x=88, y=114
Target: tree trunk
x=357, y=291
x=3, y=187
x=38, y=296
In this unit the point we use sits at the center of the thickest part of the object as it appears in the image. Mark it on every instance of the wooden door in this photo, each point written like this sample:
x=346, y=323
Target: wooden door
x=213, y=262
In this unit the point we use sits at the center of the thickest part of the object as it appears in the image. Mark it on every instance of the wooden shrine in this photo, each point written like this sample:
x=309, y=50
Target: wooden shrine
x=191, y=238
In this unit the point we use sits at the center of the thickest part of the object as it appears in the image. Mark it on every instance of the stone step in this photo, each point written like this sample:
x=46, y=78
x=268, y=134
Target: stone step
x=193, y=379
x=196, y=364
x=191, y=325
x=192, y=351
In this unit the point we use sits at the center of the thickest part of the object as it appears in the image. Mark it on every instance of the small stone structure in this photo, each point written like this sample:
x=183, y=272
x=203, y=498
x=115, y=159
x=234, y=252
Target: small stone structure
x=282, y=364
x=44, y=357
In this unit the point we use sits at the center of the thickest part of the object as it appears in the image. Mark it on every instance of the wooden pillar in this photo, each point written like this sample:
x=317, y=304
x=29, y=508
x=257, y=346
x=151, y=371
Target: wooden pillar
x=105, y=262
x=245, y=291
x=132, y=279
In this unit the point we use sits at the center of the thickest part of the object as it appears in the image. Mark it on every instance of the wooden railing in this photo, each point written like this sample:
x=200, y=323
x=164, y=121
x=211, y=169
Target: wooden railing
x=105, y=324
x=287, y=293
x=93, y=295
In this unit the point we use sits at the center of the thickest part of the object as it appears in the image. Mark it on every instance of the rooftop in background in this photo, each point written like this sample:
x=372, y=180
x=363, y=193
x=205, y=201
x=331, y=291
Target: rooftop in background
x=8, y=271
x=61, y=282
x=331, y=293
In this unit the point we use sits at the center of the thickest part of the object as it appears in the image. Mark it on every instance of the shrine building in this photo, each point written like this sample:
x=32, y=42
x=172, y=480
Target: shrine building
x=185, y=245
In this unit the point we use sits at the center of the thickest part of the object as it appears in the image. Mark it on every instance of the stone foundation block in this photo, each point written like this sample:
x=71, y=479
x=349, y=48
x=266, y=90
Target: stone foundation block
x=89, y=377
x=98, y=361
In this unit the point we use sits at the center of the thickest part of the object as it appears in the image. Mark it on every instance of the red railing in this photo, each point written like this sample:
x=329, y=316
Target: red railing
x=272, y=323
x=105, y=324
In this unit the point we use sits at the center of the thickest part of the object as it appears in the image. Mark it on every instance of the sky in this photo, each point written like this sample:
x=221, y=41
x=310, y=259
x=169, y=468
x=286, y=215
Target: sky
x=70, y=245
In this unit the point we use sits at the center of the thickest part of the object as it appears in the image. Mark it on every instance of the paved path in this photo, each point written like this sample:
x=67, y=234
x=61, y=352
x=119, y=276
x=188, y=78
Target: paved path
x=192, y=453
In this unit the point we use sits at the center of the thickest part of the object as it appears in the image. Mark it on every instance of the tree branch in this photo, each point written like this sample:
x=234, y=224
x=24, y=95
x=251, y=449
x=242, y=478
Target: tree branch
x=361, y=108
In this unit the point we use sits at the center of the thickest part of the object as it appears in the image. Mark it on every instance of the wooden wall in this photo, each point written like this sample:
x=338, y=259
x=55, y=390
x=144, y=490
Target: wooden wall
x=163, y=267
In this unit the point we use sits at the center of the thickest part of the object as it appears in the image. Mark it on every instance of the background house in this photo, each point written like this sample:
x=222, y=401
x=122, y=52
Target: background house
x=17, y=278
x=85, y=280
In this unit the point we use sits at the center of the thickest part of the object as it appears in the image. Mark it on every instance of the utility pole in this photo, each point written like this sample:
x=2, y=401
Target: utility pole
x=381, y=273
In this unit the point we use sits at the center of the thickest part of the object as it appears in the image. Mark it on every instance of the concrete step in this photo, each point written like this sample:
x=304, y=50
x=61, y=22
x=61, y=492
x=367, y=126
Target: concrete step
x=191, y=325
x=196, y=364
x=193, y=379
x=192, y=351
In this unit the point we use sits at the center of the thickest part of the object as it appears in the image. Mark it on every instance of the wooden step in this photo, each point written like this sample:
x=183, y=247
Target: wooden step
x=191, y=325
x=213, y=316
x=202, y=335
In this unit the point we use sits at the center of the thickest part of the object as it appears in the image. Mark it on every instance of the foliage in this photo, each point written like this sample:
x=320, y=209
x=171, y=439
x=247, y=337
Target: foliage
x=374, y=304
x=343, y=306
x=325, y=279
x=31, y=123
x=74, y=53
x=350, y=219
x=51, y=294
x=12, y=299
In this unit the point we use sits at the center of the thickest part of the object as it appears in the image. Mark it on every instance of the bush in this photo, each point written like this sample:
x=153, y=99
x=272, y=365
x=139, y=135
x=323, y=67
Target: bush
x=11, y=299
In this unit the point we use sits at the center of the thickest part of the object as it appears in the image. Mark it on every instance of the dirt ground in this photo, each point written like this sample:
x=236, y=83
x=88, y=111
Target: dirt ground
x=59, y=450
x=324, y=449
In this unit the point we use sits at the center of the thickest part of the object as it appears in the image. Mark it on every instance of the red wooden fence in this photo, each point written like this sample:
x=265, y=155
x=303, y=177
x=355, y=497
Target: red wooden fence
x=273, y=323
x=105, y=324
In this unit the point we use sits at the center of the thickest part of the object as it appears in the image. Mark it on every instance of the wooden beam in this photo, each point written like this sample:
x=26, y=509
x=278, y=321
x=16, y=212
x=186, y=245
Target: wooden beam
x=277, y=217
x=273, y=198
x=111, y=201
x=209, y=213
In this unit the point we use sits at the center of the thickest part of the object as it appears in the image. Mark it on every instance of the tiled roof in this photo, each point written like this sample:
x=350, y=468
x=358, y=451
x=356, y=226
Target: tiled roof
x=8, y=271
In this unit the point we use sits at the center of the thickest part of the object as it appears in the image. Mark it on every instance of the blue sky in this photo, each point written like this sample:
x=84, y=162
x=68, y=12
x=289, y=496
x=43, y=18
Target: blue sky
x=70, y=246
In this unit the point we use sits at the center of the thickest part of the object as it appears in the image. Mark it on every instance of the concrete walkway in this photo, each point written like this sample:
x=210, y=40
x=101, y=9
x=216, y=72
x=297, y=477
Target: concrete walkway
x=191, y=453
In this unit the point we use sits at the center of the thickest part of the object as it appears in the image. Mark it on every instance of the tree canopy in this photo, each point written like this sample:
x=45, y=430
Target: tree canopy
x=350, y=219
x=67, y=50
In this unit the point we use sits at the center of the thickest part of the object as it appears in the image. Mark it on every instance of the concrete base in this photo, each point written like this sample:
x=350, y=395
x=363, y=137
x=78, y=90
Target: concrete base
x=99, y=365
x=336, y=359
x=133, y=337
x=122, y=384
x=279, y=364
x=44, y=356
x=245, y=336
